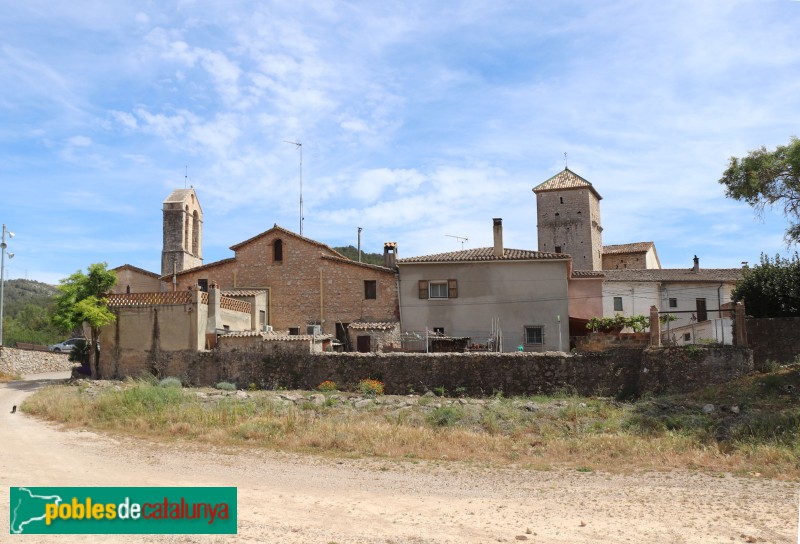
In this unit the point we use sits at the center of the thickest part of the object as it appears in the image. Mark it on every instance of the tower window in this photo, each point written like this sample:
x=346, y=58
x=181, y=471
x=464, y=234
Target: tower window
x=562, y=199
x=277, y=251
x=558, y=249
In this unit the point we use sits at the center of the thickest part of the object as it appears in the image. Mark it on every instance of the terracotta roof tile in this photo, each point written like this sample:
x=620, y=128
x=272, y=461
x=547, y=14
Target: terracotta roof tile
x=379, y=325
x=704, y=275
x=242, y=292
x=345, y=260
x=636, y=247
x=566, y=179
x=479, y=254
x=588, y=274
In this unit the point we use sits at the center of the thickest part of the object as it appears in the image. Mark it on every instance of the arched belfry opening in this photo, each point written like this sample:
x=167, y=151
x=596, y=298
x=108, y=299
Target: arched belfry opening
x=183, y=232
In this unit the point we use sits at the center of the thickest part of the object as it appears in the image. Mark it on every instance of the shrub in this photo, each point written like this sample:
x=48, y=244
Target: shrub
x=327, y=386
x=445, y=416
x=370, y=387
x=226, y=386
x=170, y=382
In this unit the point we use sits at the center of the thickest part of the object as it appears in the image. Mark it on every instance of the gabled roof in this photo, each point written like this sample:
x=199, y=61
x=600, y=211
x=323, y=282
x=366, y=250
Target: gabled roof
x=480, y=254
x=201, y=267
x=136, y=269
x=636, y=247
x=688, y=275
x=287, y=232
x=180, y=195
x=345, y=260
x=566, y=179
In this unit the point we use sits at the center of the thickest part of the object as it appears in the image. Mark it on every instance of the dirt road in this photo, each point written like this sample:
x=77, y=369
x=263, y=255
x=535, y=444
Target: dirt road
x=297, y=499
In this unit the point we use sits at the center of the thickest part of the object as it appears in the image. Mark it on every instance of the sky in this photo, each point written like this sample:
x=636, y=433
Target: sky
x=419, y=121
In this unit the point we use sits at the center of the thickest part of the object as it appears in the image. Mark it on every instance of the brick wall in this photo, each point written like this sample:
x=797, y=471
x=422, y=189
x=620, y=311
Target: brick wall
x=622, y=372
x=304, y=286
x=624, y=260
x=773, y=339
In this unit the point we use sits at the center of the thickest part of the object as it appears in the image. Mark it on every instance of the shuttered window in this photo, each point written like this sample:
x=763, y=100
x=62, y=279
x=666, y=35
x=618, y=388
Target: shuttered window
x=423, y=289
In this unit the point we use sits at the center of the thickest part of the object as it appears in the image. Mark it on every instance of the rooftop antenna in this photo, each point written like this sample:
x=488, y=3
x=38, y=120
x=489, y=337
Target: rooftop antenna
x=300, y=147
x=461, y=239
x=186, y=177
x=565, y=160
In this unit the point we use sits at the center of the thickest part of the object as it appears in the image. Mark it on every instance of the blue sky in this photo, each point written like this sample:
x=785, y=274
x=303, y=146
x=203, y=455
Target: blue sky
x=418, y=120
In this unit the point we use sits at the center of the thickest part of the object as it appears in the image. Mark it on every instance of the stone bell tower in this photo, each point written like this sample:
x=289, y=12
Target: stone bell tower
x=568, y=219
x=183, y=232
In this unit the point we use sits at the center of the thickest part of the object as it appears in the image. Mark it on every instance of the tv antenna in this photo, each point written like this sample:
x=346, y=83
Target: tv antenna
x=186, y=177
x=300, y=148
x=461, y=239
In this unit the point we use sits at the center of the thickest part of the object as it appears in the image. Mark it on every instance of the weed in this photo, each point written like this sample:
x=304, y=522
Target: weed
x=460, y=392
x=693, y=350
x=170, y=382
x=370, y=387
x=252, y=386
x=328, y=386
x=226, y=386
x=440, y=391
x=445, y=416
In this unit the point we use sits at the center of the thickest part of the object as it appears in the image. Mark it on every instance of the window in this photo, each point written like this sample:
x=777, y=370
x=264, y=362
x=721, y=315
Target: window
x=673, y=303
x=617, y=304
x=439, y=330
x=370, y=289
x=277, y=251
x=687, y=336
x=534, y=335
x=294, y=331
x=558, y=249
x=438, y=289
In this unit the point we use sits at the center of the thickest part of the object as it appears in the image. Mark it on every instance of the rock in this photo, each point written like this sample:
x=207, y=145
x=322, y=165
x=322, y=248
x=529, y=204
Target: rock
x=363, y=403
x=242, y=395
x=201, y=394
x=317, y=399
x=530, y=406
x=463, y=402
x=521, y=537
x=708, y=408
x=429, y=394
x=734, y=409
x=528, y=531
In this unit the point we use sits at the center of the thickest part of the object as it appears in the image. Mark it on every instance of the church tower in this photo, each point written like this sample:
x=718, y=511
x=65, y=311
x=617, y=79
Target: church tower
x=568, y=219
x=183, y=232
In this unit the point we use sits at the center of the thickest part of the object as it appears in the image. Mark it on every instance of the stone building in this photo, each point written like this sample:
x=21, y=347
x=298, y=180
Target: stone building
x=310, y=287
x=638, y=255
x=568, y=219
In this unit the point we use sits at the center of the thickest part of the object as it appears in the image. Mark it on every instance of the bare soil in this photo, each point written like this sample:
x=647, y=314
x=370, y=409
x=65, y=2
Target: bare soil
x=292, y=498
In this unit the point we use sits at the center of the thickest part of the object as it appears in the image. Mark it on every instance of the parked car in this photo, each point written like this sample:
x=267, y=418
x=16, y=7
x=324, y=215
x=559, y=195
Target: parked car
x=67, y=345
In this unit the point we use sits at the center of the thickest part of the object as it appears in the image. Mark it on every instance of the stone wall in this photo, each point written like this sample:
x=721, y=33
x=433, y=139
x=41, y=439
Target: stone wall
x=622, y=372
x=18, y=361
x=773, y=339
x=598, y=341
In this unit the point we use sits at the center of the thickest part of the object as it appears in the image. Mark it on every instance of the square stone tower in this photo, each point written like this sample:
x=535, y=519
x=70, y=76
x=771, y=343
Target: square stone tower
x=183, y=232
x=568, y=219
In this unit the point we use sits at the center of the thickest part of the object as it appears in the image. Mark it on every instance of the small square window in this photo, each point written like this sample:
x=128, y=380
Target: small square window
x=617, y=304
x=534, y=335
x=558, y=249
x=687, y=336
x=673, y=303
x=439, y=330
x=437, y=289
x=370, y=289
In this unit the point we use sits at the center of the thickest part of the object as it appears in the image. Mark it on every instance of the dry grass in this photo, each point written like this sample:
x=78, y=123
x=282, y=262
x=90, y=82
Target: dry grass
x=7, y=377
x=581, y=433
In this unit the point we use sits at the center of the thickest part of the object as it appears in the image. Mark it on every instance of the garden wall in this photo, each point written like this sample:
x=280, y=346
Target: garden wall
x=621, y=372
x=19, y=361
x=773, y=339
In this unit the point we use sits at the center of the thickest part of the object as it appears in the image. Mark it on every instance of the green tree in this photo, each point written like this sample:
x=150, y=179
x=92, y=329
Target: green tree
x=82, y=300
x=771, y=288
x=765, y=178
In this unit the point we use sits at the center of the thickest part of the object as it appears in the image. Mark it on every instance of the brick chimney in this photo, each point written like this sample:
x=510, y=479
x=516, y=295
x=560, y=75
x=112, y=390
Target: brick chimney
x=498, y=237
x=696, y=267
x=390, y=254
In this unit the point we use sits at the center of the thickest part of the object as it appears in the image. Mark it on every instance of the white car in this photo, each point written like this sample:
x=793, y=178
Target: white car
x=67, y=345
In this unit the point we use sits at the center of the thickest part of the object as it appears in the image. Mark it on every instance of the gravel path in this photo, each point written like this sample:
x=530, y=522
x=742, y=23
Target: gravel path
x=297, y=499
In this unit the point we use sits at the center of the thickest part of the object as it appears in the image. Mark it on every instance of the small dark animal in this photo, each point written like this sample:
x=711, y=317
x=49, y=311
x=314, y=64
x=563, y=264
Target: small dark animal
x=14, y=409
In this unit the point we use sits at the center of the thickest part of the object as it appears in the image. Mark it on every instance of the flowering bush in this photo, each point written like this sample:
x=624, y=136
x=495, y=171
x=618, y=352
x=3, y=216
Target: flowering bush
x=370, y=387
x=327, y=386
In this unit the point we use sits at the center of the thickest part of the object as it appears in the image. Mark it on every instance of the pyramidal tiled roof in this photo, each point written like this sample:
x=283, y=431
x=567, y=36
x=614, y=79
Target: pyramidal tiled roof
x=566, y=179
x=483, y=254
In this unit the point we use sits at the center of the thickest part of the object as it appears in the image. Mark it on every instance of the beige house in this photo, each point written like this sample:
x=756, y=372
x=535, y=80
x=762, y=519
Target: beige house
x=695, y=297
x=468, y=293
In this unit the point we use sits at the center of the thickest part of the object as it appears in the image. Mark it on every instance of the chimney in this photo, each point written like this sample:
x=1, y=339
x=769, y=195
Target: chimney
x=390, y=254
x=696, y=267
x=498, y=237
